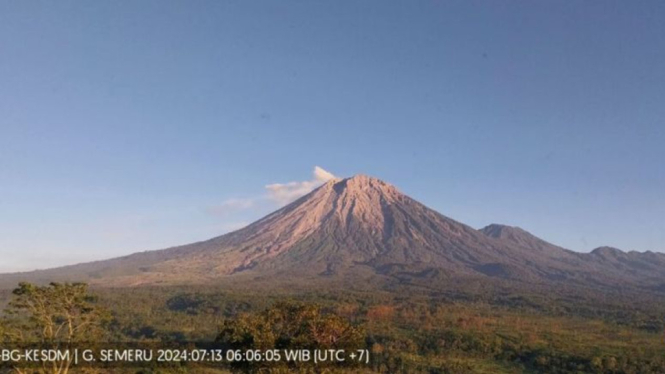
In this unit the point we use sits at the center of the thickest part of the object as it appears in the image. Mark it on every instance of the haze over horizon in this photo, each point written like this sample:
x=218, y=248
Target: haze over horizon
x=135, y=126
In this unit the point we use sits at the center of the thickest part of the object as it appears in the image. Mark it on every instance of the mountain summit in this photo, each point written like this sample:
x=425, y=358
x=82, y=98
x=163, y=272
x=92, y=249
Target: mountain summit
x=359, y=226
x=358, y=221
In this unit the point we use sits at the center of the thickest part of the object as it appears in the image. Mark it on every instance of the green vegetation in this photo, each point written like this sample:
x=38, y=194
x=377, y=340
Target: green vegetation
x=289, y=326
x=409, y=330
x=57, y=313
x=53, y=315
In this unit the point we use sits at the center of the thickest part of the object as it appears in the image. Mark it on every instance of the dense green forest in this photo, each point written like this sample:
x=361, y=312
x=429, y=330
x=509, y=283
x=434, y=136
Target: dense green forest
x=404, y=330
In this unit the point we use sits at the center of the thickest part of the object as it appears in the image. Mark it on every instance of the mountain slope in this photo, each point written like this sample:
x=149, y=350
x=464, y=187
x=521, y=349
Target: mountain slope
x=520, y=237
x=605, y=263
x=648, y=265
x=354, y=227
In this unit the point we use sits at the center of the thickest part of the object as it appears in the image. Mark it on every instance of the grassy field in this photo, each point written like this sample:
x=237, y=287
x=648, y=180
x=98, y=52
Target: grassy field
x=415, y=332
x=414, y=329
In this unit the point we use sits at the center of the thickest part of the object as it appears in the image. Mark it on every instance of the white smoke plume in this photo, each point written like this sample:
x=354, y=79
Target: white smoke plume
x=284, y=193
x=276, y=193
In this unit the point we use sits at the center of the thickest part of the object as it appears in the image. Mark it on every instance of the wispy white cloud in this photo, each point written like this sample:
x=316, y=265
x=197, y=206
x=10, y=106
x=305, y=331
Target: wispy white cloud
x=276, y=194
x=231, y=206
x=284, y=193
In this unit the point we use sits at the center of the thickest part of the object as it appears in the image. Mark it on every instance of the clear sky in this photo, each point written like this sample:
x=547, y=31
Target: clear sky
x=136, y=125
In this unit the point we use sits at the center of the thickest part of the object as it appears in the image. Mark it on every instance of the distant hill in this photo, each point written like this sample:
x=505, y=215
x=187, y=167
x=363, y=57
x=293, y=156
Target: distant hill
x=363, y=228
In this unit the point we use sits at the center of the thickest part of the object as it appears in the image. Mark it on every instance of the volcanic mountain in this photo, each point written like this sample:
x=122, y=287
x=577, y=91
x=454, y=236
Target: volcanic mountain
x=363, y=226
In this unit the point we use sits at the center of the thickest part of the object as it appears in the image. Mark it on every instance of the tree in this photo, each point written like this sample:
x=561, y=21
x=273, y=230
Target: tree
x=55, y=315
x=288, y=325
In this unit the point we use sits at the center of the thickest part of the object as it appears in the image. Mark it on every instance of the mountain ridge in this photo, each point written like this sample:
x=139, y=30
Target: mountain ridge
x=364, y=226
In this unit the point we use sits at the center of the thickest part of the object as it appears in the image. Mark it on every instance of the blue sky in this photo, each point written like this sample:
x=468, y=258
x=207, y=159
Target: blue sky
x=127, y=126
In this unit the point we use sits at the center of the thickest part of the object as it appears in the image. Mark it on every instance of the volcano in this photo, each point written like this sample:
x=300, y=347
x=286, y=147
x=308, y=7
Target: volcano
x=362, y=225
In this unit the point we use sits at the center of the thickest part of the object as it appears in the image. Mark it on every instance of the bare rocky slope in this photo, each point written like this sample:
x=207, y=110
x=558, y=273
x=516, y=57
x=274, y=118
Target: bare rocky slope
x=362, y=226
